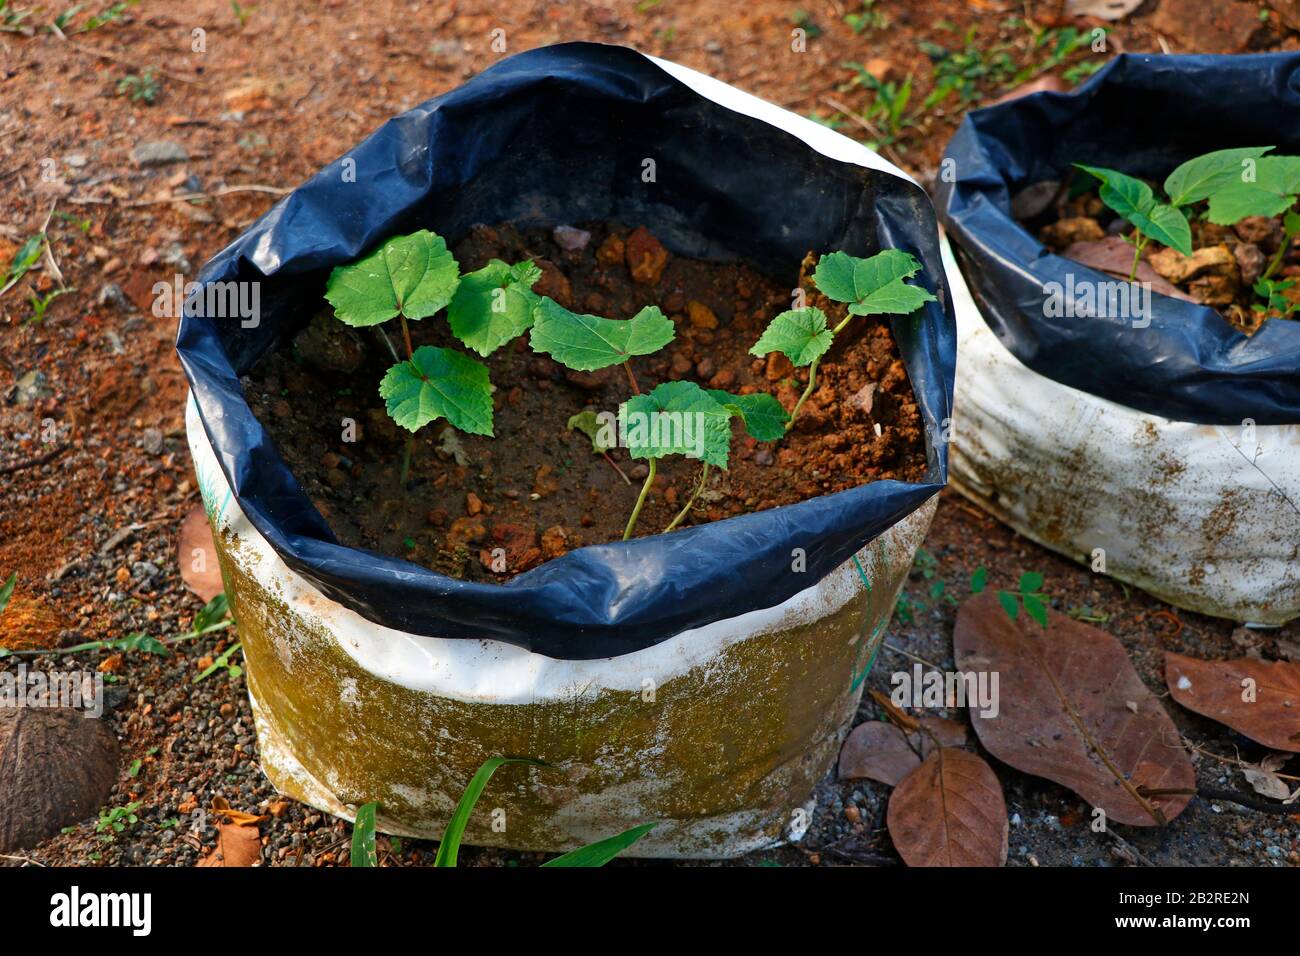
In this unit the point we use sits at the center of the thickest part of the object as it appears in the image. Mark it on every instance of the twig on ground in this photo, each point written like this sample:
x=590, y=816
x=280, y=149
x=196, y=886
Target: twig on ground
x=46, y=458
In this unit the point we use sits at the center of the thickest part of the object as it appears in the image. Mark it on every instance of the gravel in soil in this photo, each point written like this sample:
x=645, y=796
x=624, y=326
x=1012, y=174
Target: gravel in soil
x=489, y=508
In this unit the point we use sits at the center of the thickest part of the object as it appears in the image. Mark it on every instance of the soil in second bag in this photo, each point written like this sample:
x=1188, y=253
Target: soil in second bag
x=486, y=509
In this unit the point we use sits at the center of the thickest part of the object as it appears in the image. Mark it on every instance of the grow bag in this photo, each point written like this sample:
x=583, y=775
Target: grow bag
x=695, y=678
x=1173, y=447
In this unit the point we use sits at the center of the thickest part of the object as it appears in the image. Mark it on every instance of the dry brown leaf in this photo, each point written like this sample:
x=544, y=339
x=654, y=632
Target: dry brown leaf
x=236, y=846
x=1215, y=689
x=1114, y=256
x=1064, y=712
x=197, y=556
x=1266, y=783
x=949, y=812
x=877, y=750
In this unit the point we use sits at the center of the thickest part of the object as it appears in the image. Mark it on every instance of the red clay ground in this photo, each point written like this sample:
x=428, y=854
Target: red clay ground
x=91, y=532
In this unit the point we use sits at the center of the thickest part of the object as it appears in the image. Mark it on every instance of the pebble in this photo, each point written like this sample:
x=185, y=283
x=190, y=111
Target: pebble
x=32, y=387
x=571, y=238
x=159, y=153
x=152, y=441
x=111, y=294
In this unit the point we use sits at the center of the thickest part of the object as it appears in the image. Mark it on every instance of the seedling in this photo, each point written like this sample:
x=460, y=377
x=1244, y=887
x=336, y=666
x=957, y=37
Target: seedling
x=1029, y=593
x=867, y=19
x=681, y=418
x=1273, y=293
x=115, y=821
x=140, y=89
x=1237, y=182
x=872, y=286
x=40, y=303
x=233, y=671
x=414, y=277
x=594, y=854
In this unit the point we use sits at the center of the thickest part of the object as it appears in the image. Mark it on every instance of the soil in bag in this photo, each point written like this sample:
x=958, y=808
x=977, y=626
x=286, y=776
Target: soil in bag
x=1224, y=271
x=538, y=489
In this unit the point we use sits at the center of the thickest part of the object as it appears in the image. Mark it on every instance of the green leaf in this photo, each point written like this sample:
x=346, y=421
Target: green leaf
x=213, y=612
x=7, y=591
x=1008, y=602
x=979, y=579
x=449, y=846
x=1036, y=609
x=439, y=383
x=1133, y=200
x=677, y=418
x=588, y=342
x=799, y=334
x=138, y=642
x=412, y=275
x=1030, y=582
x=603, y=436
x=493, y=305
x=872, y=286
x=765, y=418
x=1277, y=181
x=602, y=851
x=363, y=837
x=1201, y=177
x=26, y=256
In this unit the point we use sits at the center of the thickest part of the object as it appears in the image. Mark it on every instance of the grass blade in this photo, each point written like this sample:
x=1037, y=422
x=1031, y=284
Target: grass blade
x=363, y=837
x=450, y=845
x=602, y=851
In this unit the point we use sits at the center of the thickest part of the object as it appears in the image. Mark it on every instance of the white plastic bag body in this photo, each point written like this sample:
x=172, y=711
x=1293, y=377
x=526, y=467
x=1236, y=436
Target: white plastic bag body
x=1205, y=517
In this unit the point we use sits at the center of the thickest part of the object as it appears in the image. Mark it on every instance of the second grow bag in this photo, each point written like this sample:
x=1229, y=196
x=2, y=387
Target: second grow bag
x=1170, y=452
x=696, y=679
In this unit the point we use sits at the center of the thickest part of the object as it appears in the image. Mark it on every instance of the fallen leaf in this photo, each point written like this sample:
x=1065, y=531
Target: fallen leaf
x=237, y=845
x=949, y=812
x=1101, y=9
x=223, y=809
x=1114, y=256
x=1266, y=783
x=197, y=556
x=877, y=750
x=1216, y=689
x=1064, y=692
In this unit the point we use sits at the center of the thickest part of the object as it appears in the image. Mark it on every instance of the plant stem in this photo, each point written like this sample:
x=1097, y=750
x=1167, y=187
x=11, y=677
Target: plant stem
x=406, y=334
x=406, y=457
x=636, y=389
x=681, y=515
x=1138, y=246
x=1280, y=256
x=812, y=381
x=410, y=439
x=812, y=374
x=636, y=512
